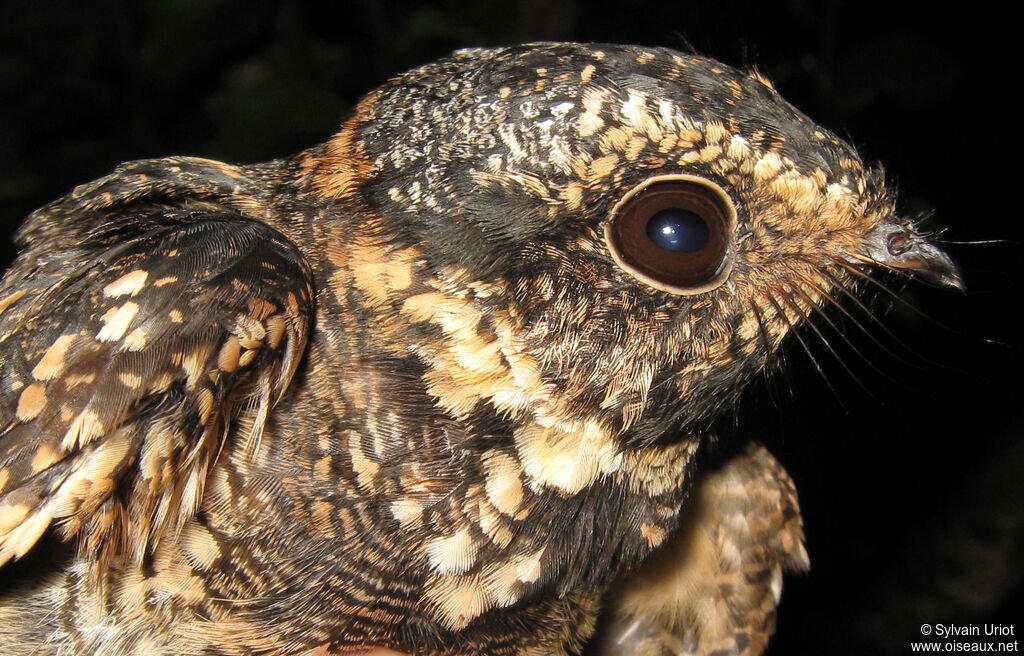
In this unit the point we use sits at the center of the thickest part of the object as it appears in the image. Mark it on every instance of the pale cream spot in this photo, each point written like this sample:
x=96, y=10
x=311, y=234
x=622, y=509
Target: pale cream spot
x=750, y=332
x=161, y=382
x=276, y=326
x=322, y=469
x=452, y=554
x=194, y=365
x=176, y=316
x=508, y=137
x=710, y=153
x=205, y=405
x=587, y=73
x=12, y=515
x=129, y=284
x=653, y=533
x=199, y=545
x=503, y=485
x=569, y=456
x=227, y=359
x=690, y=135
x=776, y=583
x=11, y=300
x=654, y=471
x=493, y=525
x=636, y=115
x=378, y=271
x=739, y=148
x=767, y=167
x=668, y=143
x=132, y=590
x=457, y=600
x=590, y=120
x=502, y=584
x=45, y=456
x=247, y=358
x=469, y=366
x=174, y=578
x=24, y=536
x=528, y=569
x=614, y=140
x=800, y=192
x=475, y=355
x=572, y=194
x=635, y=146
x=52, y=362
x=135, y=340
x=71, y=381
x=85, y=427
x=116, y=322
x=715, y=132
x=602, y=167
x=31, y=402
x=407, y=511
x=162, y=438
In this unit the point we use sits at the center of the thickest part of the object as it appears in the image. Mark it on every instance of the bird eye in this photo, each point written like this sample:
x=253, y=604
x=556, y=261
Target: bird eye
x=676, y=229
x=674, y=233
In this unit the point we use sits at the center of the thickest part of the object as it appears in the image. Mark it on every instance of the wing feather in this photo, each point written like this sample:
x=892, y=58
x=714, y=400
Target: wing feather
x=125, y=362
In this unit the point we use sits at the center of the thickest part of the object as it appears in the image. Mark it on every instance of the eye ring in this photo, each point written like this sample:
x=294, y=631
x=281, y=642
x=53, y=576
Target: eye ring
x=685, y=271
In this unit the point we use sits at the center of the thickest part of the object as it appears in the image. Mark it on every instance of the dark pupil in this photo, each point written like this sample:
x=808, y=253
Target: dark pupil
x=677, y=229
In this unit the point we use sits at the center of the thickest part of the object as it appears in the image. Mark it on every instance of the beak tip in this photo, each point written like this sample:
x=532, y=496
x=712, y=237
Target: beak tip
x=953, y=280
x=939, y=268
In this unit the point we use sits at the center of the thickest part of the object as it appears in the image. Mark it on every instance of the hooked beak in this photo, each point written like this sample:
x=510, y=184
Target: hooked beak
x=897, y=245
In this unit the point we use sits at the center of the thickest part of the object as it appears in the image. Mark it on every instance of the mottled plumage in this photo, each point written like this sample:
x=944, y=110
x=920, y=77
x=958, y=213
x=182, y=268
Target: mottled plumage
x=437, y=385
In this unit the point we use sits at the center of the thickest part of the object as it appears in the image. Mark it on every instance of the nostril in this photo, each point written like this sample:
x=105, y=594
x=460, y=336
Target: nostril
x=898, y=243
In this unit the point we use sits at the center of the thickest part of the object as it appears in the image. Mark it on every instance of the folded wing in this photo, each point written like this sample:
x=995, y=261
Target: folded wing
x=124, y=362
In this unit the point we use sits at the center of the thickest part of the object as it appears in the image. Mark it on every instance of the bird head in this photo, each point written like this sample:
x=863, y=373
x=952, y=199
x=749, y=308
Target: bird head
x=608, y=240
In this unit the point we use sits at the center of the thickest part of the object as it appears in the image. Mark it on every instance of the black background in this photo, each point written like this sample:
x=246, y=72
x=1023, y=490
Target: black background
x=910, y=479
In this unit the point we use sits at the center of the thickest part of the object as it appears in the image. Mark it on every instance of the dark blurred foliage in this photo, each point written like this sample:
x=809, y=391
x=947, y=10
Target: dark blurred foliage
x=908, y=456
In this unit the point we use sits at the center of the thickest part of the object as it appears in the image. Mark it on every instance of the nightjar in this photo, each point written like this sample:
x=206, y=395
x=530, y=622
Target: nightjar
x=442, y=385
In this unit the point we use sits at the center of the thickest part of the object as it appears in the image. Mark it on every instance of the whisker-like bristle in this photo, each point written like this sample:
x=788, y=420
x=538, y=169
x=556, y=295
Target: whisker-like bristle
x=924, y=363
x=975, y=242
x=860, y=326
x=817, y=331
x=895, y=295
x=775, y=364
x=853, y=298
x=803, y=344
x=762, y=329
